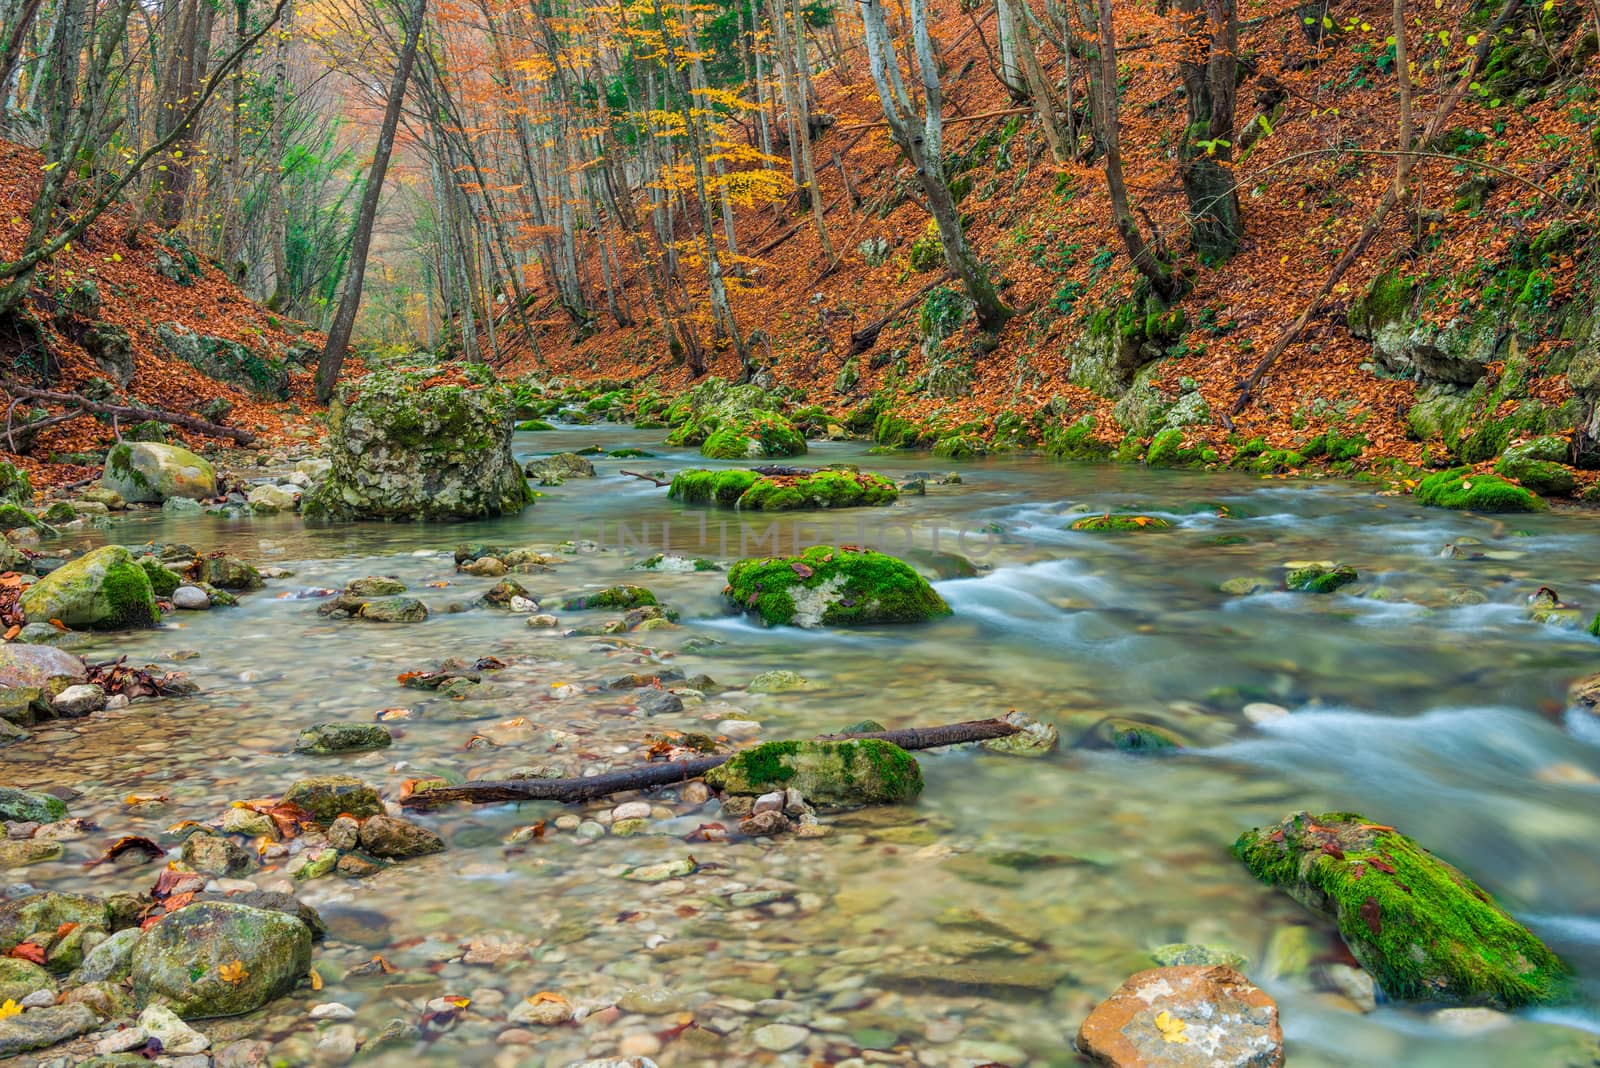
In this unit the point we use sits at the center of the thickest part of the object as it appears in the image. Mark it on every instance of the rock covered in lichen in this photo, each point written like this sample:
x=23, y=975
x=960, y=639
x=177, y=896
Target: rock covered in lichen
x=1319, y=578
x=1423, y=929
x=556, y=469
x=832, y=587
x=1185, y=1017
x=1119, y=524
x=215, y=958
x=105, y=589
x=1537, y=464
x=752, y=435
x=405, y=449
x=828, y=774
x=151, y=472
x=752, y=492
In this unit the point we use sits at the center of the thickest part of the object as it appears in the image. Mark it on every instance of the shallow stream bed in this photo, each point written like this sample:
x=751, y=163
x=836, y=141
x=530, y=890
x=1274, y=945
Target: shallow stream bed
x=979, y=925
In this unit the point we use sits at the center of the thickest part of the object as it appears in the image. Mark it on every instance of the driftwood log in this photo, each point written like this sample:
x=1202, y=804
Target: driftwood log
x=648, y=478
x=867, y=336
x=123, y=411
x=647, y=776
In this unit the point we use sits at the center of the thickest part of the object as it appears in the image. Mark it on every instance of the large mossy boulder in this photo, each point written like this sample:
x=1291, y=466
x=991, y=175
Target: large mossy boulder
x=105, y=589
x=753, y=435
x=1537, y=465
x=214, y=958
x=149, y=472
x=833, y=587
x=227, y=361
x=1420, y=927
x=1461, y=488
x=405, y=449
x=752, y=492
x=828, y=774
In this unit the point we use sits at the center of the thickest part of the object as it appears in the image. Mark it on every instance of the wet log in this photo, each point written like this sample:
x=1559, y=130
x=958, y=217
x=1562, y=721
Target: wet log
x=648, y=478
x=123, y=411
x=647, y=776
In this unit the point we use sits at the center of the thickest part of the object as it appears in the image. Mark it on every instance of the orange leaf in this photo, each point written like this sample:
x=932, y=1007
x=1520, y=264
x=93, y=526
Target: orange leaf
x=316, y=980
x=12, y=632
x=547, y=995
x=28, y=951
x=233, y=972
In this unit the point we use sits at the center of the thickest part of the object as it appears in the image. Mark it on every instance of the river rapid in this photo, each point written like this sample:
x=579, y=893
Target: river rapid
x=979, y=925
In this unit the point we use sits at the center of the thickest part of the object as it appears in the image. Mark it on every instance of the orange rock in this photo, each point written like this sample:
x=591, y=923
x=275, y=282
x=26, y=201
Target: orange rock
x=1194, y=1016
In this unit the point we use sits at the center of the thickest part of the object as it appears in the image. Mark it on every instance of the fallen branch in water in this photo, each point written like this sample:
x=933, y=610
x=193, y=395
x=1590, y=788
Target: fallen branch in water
x=648, y=478
x=665, y=774
x=188, y=422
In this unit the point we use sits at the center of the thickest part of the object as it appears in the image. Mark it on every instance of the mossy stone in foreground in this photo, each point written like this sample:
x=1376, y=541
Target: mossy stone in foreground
x=216, y=958
x=101, y=590
x=1423, y=929
x=1460, y=488
x=833, y=587
x=828, y=774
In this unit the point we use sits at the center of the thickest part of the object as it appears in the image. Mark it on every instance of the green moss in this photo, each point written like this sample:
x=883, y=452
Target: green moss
x=834, y=587
x=768, y=764
x=131, y=599
x=926, y=253
x=959, y=447
x=1119, y=523
x=13, y=516
x=1076, y=441
x=754, y=433
x=1334, y=447
x=1419, y=926
x=1387, y=301
x=1165, y=448
x=748, y=491
x=1317, y=578
x=1460, y=488
x=622, y=596
x=14, y=484
x=534, y=424
x=162, y=581
x=830, y=774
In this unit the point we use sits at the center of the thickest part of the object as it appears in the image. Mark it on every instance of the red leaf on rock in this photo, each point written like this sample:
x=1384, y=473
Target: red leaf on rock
x=28, y=951
x=1372, y=915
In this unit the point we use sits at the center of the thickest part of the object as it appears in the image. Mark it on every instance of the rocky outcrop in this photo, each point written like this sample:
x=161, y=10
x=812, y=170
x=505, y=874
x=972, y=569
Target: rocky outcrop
x=403, y=449
x=227, y=361
x=150, y=472
x=105, y=589
x=833, y=587
x=1423, y=929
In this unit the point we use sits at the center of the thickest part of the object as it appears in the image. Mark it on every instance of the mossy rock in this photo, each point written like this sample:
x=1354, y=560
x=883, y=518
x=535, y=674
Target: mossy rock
x=215, y=958
x=105, y=589
x=323, y=739
x=622, y=596
x=959, y=447
x=1077, y=441
x=1119, y=524
x=534, y=425
x=1320, y=578
x=752, y=435
x=828, y=774
x=1460, y=488
x=556, y=469
x=328, y=797
x=1130, y=736
x=1537, y=464
x=748, y=491
x=1420, y=927
x=151, y=472
x=162, y=580
x=14, y=484
x=833, y=587
x=28, y=806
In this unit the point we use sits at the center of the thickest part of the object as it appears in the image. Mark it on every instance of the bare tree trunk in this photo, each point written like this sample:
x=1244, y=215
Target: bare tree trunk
x=1205, y=152
x=344, y=320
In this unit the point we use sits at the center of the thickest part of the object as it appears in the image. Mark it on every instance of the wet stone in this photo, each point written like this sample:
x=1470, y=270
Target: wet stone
x=1185, y=1017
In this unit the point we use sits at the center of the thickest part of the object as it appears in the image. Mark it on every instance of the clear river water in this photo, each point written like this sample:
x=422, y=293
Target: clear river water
x=979, y=925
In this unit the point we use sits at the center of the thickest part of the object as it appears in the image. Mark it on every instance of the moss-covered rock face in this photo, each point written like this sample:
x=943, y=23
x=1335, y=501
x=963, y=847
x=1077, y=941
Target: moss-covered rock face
x=1460, y=488
x=102, y=590
x=402, y=449
x=227, y=361
x=556, y=469
x=828, y=774
x=14, y=484
x=1115, y=342
x=216, y=958
x=749, y=491
x=833, y=587
x=1319, y=578
x=753, y=435
x=959, y=447
x=1537, y=465
x=150, y=472
x=1419, y=926
x=1120, y=524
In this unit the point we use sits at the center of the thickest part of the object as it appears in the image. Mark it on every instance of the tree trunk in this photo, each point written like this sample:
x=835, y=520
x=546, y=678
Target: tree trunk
x=344, y=320
x=1205, y=152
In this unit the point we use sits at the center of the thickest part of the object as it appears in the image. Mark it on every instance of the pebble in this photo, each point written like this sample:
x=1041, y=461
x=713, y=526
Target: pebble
x=638, y=1044
x=116, y=701
x=779, y=1038
x=175, y=1035
x=39, y=999
x=739, y=728
x=772, y=802
x=545, y=1013
x=1260, y=712
x=1474, y=1021
x=515, y=1036
x=122, y=1041
x=631, y=810
x=543, y=621
x=696, y=793
x=332, y=1010
x=191, y=599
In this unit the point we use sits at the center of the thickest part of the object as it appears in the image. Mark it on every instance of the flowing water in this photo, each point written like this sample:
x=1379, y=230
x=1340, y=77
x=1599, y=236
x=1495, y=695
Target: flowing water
x=979, y=925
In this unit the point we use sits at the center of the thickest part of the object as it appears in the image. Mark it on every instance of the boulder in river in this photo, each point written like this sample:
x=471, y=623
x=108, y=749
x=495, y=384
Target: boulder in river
x=326, y=797
x=385, y=836
x=1119, y=524
x=230, y=573
x=151, y=472
x=406, y=449
x=623, y=596
x=1192, y=1016
x=554, y=470
x=827, y=774
x=1319, y=578
x=751, y=491
x=43, y=1027
x=1423, y=929
x=833, y=587
x=30, y=675
x=104, y=589
x=1462, y=488
x=215, y=958
x=323, y=739
x=752, y=435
